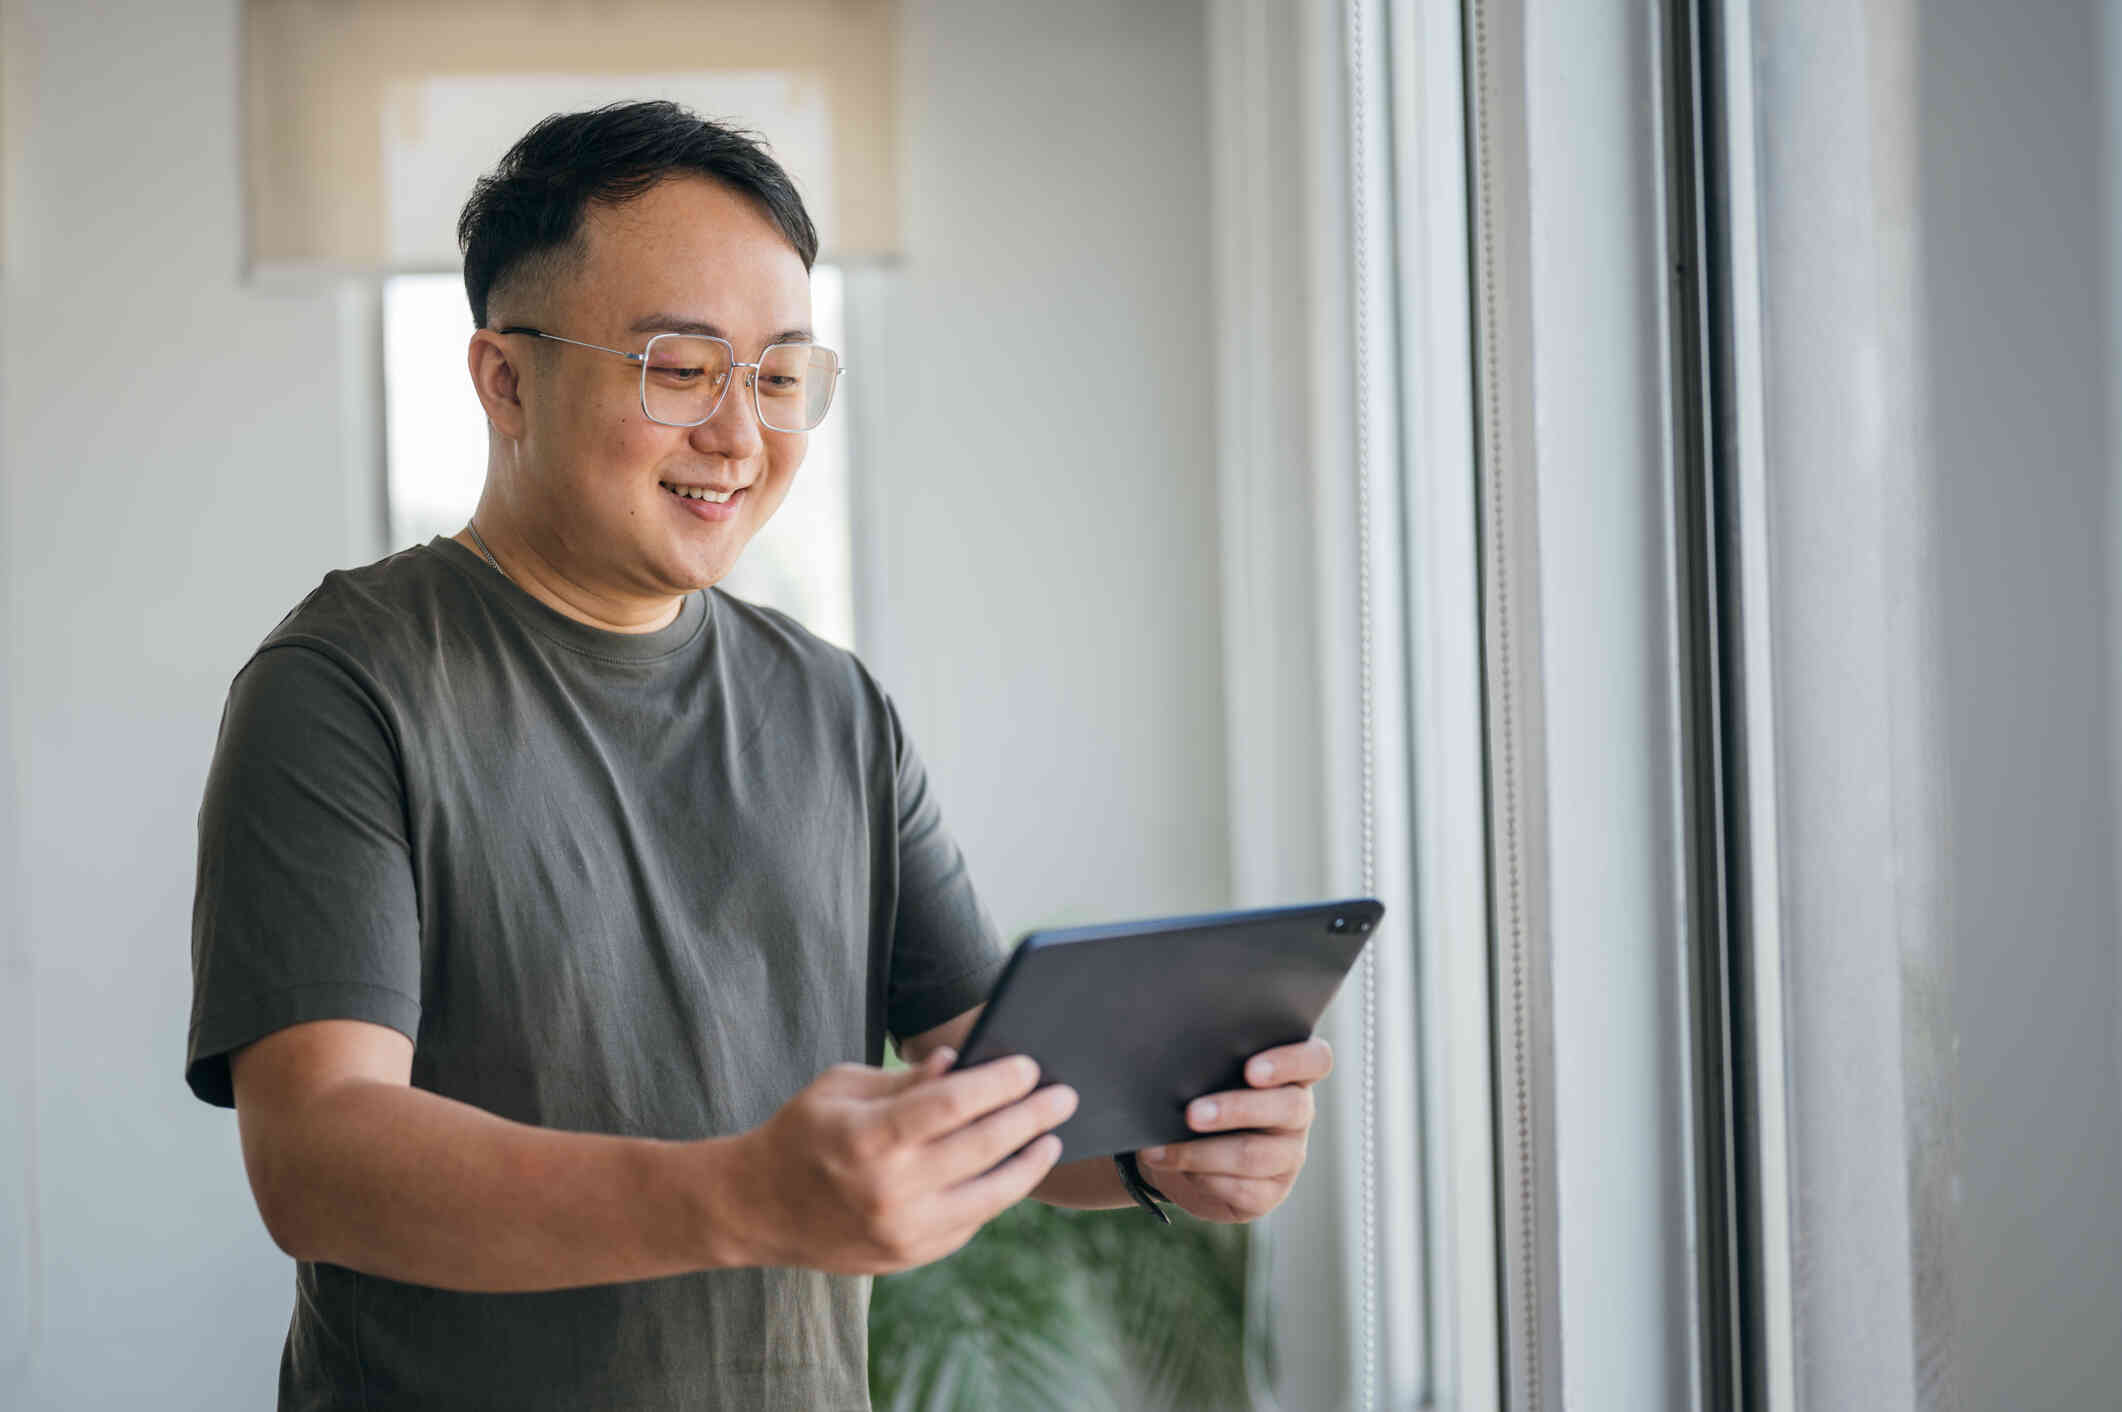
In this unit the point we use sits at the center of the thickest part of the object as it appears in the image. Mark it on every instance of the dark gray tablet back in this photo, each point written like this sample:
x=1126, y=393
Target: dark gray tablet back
x=1141, y=1018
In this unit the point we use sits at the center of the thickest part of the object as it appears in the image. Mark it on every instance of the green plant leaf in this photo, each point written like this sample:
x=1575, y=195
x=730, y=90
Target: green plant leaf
x=1070, y=1311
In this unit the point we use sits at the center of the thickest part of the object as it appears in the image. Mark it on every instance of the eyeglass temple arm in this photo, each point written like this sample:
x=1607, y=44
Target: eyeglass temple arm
x=541, y=333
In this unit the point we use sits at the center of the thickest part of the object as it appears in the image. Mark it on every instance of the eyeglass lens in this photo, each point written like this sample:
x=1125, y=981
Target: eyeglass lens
x=683, y=380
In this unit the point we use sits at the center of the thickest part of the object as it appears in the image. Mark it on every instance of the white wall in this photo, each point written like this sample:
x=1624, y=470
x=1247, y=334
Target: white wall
x=174, y=481
x=1935, y=257
x=2016, y=249
x=1043, y=475
x=183, y=457
x=17, y=1037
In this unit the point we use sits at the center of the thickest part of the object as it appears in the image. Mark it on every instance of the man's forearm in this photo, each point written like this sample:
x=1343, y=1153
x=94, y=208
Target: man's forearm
x=396, y=1181
x=1090, y=1184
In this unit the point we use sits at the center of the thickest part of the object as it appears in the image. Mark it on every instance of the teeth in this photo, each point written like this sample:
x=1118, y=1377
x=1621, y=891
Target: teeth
x=698, y=492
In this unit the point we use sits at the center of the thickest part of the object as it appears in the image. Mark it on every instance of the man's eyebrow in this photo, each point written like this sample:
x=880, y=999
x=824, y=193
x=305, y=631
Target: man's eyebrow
x=671, y=323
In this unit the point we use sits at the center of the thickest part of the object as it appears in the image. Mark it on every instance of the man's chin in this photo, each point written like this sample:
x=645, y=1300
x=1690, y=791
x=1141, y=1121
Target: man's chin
x=697, y=556
x=690, y=573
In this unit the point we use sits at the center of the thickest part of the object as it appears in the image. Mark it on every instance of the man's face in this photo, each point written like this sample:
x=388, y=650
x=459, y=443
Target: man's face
x=590, y=484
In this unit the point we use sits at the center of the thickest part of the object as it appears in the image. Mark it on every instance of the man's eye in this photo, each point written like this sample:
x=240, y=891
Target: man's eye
x=687, y=376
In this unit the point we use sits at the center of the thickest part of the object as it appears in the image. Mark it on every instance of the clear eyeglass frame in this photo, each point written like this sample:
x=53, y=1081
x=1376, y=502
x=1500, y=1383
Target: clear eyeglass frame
x=750, y=370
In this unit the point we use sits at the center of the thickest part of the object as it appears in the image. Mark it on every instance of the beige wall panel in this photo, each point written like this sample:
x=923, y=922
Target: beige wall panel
x=320, y=76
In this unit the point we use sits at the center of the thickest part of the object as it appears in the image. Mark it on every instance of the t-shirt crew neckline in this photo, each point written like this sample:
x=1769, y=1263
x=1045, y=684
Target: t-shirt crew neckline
x=694, y=615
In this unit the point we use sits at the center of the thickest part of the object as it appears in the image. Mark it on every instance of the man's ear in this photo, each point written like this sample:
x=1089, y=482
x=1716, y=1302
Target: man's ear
x=494, y=378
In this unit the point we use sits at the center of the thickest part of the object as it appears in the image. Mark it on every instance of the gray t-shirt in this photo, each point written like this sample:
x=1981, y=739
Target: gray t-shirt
x=643, y=884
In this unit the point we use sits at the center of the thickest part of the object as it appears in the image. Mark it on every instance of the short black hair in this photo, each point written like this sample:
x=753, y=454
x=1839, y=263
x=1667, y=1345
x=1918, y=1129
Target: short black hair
x=530, y=206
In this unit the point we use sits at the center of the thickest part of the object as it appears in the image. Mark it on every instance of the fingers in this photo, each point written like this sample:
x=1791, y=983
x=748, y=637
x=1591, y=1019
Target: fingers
x=980, y=1145
x=1306, y=1062
x=1259, y=1155
x=974, y=1203
x=1287, y=1109
x=1244, y=1198
x=937, y=1104
x=859, y=1081
x=865, y=1081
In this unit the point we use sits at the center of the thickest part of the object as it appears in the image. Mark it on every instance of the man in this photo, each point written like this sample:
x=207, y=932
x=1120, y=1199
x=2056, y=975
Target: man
x=553, y=910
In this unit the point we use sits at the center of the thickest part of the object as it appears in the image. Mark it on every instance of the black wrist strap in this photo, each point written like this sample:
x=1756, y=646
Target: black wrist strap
x=1144, y=1194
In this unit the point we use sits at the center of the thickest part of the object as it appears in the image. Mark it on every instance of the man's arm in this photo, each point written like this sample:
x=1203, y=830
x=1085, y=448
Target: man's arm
x=861, y=1172
x=1240, y=1175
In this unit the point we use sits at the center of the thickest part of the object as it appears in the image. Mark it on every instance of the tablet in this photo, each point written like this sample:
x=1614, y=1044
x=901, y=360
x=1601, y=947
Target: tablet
x=1142, y=1018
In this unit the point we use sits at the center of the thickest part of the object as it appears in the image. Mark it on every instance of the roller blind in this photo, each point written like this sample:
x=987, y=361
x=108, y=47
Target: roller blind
x=366, y=121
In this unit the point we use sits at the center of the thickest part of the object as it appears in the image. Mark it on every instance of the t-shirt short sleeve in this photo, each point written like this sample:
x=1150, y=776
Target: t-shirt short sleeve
x=946, y=951
x=305, y=907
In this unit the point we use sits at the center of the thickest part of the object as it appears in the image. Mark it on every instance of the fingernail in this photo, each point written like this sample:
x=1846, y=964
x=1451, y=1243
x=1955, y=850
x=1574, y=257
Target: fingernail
x=1153, y=1154
x=1263, y=1071
x=946, y=1055
x=1205, y=1111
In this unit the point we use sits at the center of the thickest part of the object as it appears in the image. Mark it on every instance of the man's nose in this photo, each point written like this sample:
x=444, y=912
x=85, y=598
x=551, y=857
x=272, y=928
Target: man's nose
x=734, y=429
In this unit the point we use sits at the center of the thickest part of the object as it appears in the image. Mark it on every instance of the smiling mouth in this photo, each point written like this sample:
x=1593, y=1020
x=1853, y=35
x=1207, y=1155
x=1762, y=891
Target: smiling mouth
x=700, y=492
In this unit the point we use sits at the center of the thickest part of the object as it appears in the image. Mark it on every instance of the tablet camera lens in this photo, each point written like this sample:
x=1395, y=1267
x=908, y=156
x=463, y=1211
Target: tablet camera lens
x=1340, y=924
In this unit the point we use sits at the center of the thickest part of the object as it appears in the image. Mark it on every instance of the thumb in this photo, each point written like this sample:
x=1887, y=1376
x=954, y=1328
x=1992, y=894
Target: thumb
x=933, y=1065
x=936, y=1062
x=883, y=1083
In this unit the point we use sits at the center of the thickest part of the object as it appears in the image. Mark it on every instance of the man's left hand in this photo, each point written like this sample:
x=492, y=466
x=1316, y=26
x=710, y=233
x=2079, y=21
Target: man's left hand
x=1245, y=1174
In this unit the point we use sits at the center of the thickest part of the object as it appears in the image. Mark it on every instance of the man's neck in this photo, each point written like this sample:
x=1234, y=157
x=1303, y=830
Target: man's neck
x=537, y=575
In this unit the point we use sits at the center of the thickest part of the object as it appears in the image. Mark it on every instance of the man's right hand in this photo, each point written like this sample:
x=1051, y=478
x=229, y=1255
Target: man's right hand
x=867, y=1171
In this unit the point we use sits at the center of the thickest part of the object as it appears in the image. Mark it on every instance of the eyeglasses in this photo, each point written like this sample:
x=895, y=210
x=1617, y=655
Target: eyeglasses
x=684, y=377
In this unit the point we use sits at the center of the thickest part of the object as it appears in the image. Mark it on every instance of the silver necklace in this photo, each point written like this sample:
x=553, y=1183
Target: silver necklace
x=480, y=540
